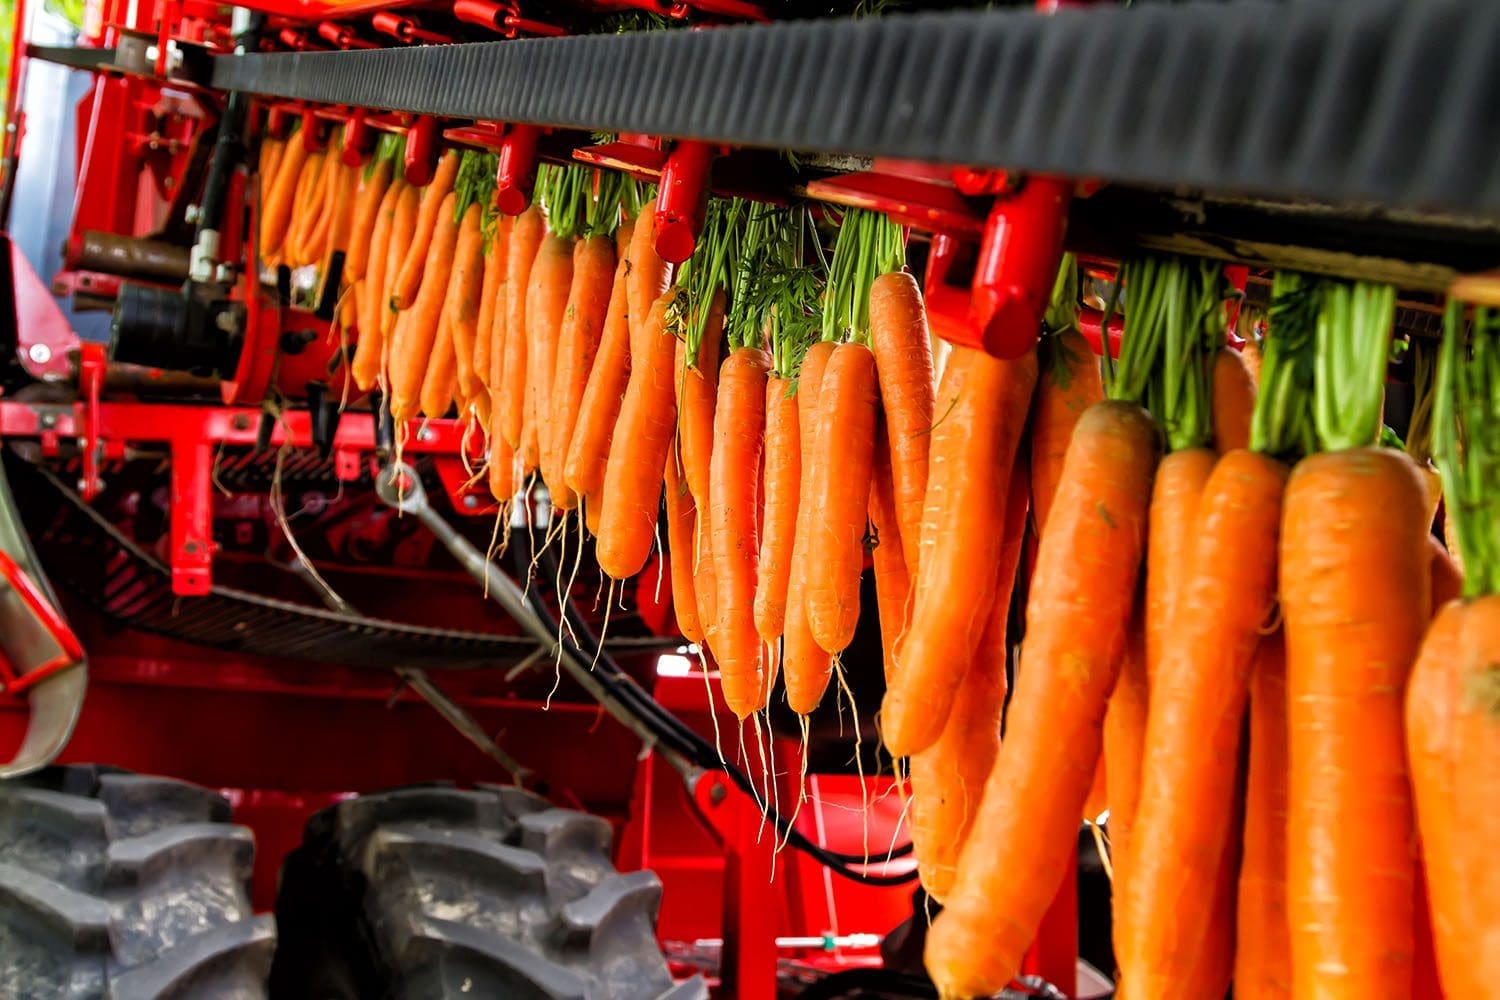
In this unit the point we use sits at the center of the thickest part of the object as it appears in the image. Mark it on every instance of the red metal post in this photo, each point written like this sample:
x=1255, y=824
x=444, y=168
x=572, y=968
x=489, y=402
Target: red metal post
x=750, y=899
x=422, y=151
x=1054, y=953
x=682, y=199
x=516, y=178
x=92, y=365
x=192, y=516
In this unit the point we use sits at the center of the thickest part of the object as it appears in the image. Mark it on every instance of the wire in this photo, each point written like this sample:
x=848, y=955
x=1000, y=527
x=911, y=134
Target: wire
x=674, y=732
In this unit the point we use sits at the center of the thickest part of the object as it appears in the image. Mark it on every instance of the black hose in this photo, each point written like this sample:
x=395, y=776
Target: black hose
x=676, y=734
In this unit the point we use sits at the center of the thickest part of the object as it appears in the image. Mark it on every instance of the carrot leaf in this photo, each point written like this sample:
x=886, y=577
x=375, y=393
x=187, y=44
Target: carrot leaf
x=868, y=245
x=1282, y=423
x=1354, y=328
x=1466, y=413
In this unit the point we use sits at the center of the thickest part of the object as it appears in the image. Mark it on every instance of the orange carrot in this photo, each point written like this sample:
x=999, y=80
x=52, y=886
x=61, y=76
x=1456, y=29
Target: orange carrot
x=319, y=231
x=525, y=237
x=1234, y=400
x=369, y=352
x=984, y=402
x=1124, y=745
x=583, y=326
x=697, y=392
x=271, y=151
x=647, y=274
x=413, y=345
x=409, y=275
x=546, y=307
x=1068, y=385
x=484, y=329
x=1355, y=593
x=436, y=396
x=502, y=464
x=598, y=409
x=1198, y=691
x=705, y=581
x=847, y=405
x=1077, y=618
x=781, y=487
x=1180, y=480
x=1263, y=951
x=403, y=226
x=682, y=523
x=466, y=292
x=903, y=358
x=341, y=221
x=367, y=203
x=734, y=472
x=806, y=665
x=1447, y=578
x=643, y=438
x=280, y=198
x=307, y=201
x=947, y=777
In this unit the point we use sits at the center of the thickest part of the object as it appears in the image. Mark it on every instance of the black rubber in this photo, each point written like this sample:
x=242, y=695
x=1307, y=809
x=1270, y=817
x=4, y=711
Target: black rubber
x=120, y=885
x=1390, y=102
x=435, y=892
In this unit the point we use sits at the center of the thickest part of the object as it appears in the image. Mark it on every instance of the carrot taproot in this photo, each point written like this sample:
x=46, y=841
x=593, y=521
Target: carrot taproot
x=1233, y=400
x=697, y=394
x=783, y=454
x=648, y=275
x=466, y=291
x=1447, y=578
x=369, y=352
x=705, y=581
x=578, y=344
x=643, y=438
x=484, y=327
x=903, y=360
x=546, y=308
x=599, y=408
x=276, y=211
x=1077, y=617
x=341, y=222
x=1262, y=953
x=984, y=401
x=1355, y=594
x=319, y=232
x=682, y=524
x=847, y=404
x=403, y=226
x=892, y=575
x=805, y=664
x=1124, y=746
x=525, y=238
x=409, y=275
x=734, y=486
x=271, y=151
x=1068, y=384
x=373, y=185
x=501, y=471
x=1175, y=496
x=948, y=777
x=1198, y=689
x=436, y=396
x=412, y=347
x=304, y=208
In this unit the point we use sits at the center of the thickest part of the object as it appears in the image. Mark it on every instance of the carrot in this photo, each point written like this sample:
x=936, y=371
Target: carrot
x=368, y=200
x=599, y=408
x=892, y=577
x=319, y=231
x=436, y=396
x=1175, y=496
x=705, y=581
x=947, y=777
x=1077, y=618
x=647, y=274
x=1262, y=954
x=305, y=200
x=413, y=344
x=341, y=224
x=1124, y=746
x=484, y=330
x=984, y=402
x=546, y=307
x=1355, y=591
x=583, y=326
x=271, y=151
x=502, y=464
x=643, y=438
x=805, y=665
x=1234, y=400
x=903, y=359
x=682, y=523
x=409, y=275
x=1447, y=578
x=847, y=405
x=781, y=487
x=466, y=290
x=368, y=353
x=403, y=226
x=1068, y=385
x=276, y=211
x=1198, y=691
x=734, y=473
x=525, y=237
x=697, y=392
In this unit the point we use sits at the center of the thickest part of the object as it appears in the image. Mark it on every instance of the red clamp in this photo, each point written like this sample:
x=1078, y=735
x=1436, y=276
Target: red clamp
x=277, y=122
x=296, y=40
x=358, y=138
x=504, y=18
x=682, y=200
x=1091, y=325
x=516, y=178
x=69, y=649
x=1238, y=276
x=1019, y=253
x=310, y=130
x=405, y=29
x=421, y=151
x=341, y=36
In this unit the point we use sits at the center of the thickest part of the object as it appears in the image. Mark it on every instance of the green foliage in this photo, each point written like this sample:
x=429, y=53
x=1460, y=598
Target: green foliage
x=1466, y=441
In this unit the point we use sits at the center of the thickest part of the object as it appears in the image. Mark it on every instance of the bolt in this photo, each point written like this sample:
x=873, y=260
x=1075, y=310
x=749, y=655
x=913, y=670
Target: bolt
x=190, y=547
x=240, y=422
x=426, y=434
x=470, y=501
x=39, y=353
x=717, y=793
x=192, y=214
x=49, y=421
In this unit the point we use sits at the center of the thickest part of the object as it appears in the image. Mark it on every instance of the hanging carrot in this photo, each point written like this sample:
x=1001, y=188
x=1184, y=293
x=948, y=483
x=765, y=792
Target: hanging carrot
x=594, y=267
x=805, y=665
x=682, y=521
x=436, y=395
x=1068, y=385
x=408, y=278
x=374, y=181
x=280, y=197
x=306, y=200
x=403, y=227
x=892, y=577
x=467, y=291
x=412, y=347
x=546, y=307
x=697, y=371
x=1233, y=398
x=903, y=359
x=487, y=340
x=781, y=487
x=1263, y=951
x=598, y=409
x=647, y=274
x=525, y=237
x=368, y=352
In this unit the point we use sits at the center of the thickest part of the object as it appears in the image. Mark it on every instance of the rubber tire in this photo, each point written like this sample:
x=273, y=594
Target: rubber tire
x=121, y=885
x=435, y=892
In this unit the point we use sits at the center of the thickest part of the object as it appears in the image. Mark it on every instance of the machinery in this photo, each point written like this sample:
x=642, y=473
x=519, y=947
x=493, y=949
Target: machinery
x=219, y=569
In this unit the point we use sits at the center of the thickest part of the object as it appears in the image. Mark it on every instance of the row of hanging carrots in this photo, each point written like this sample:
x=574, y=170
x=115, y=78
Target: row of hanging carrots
x=1205, y=554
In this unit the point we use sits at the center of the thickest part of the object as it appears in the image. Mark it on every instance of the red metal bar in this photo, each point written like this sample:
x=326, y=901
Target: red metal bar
x=342, y=36
x=1054, y=953
x=192, y=516
x=516, y=178
x=406, y=29
x=421, y=151
x=682, y=199
x=70, y=651
x=92, y=366
x=750, y=898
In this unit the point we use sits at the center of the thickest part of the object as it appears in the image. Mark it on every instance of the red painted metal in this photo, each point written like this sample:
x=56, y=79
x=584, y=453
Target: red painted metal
x=421, y=151
x=921, y=202
x=69, y=650
x=681, y=199
x=45, y=338
x=406, y=29
x=342, y=36
x=1054, y=953
x=91, y=384
x=516, y=178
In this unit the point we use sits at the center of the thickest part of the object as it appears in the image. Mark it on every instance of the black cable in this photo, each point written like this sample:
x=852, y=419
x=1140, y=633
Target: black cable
x=677, y=734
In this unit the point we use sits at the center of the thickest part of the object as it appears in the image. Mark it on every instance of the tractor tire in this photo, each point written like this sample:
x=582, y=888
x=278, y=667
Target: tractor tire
x=435, y=892
x=121, y=885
